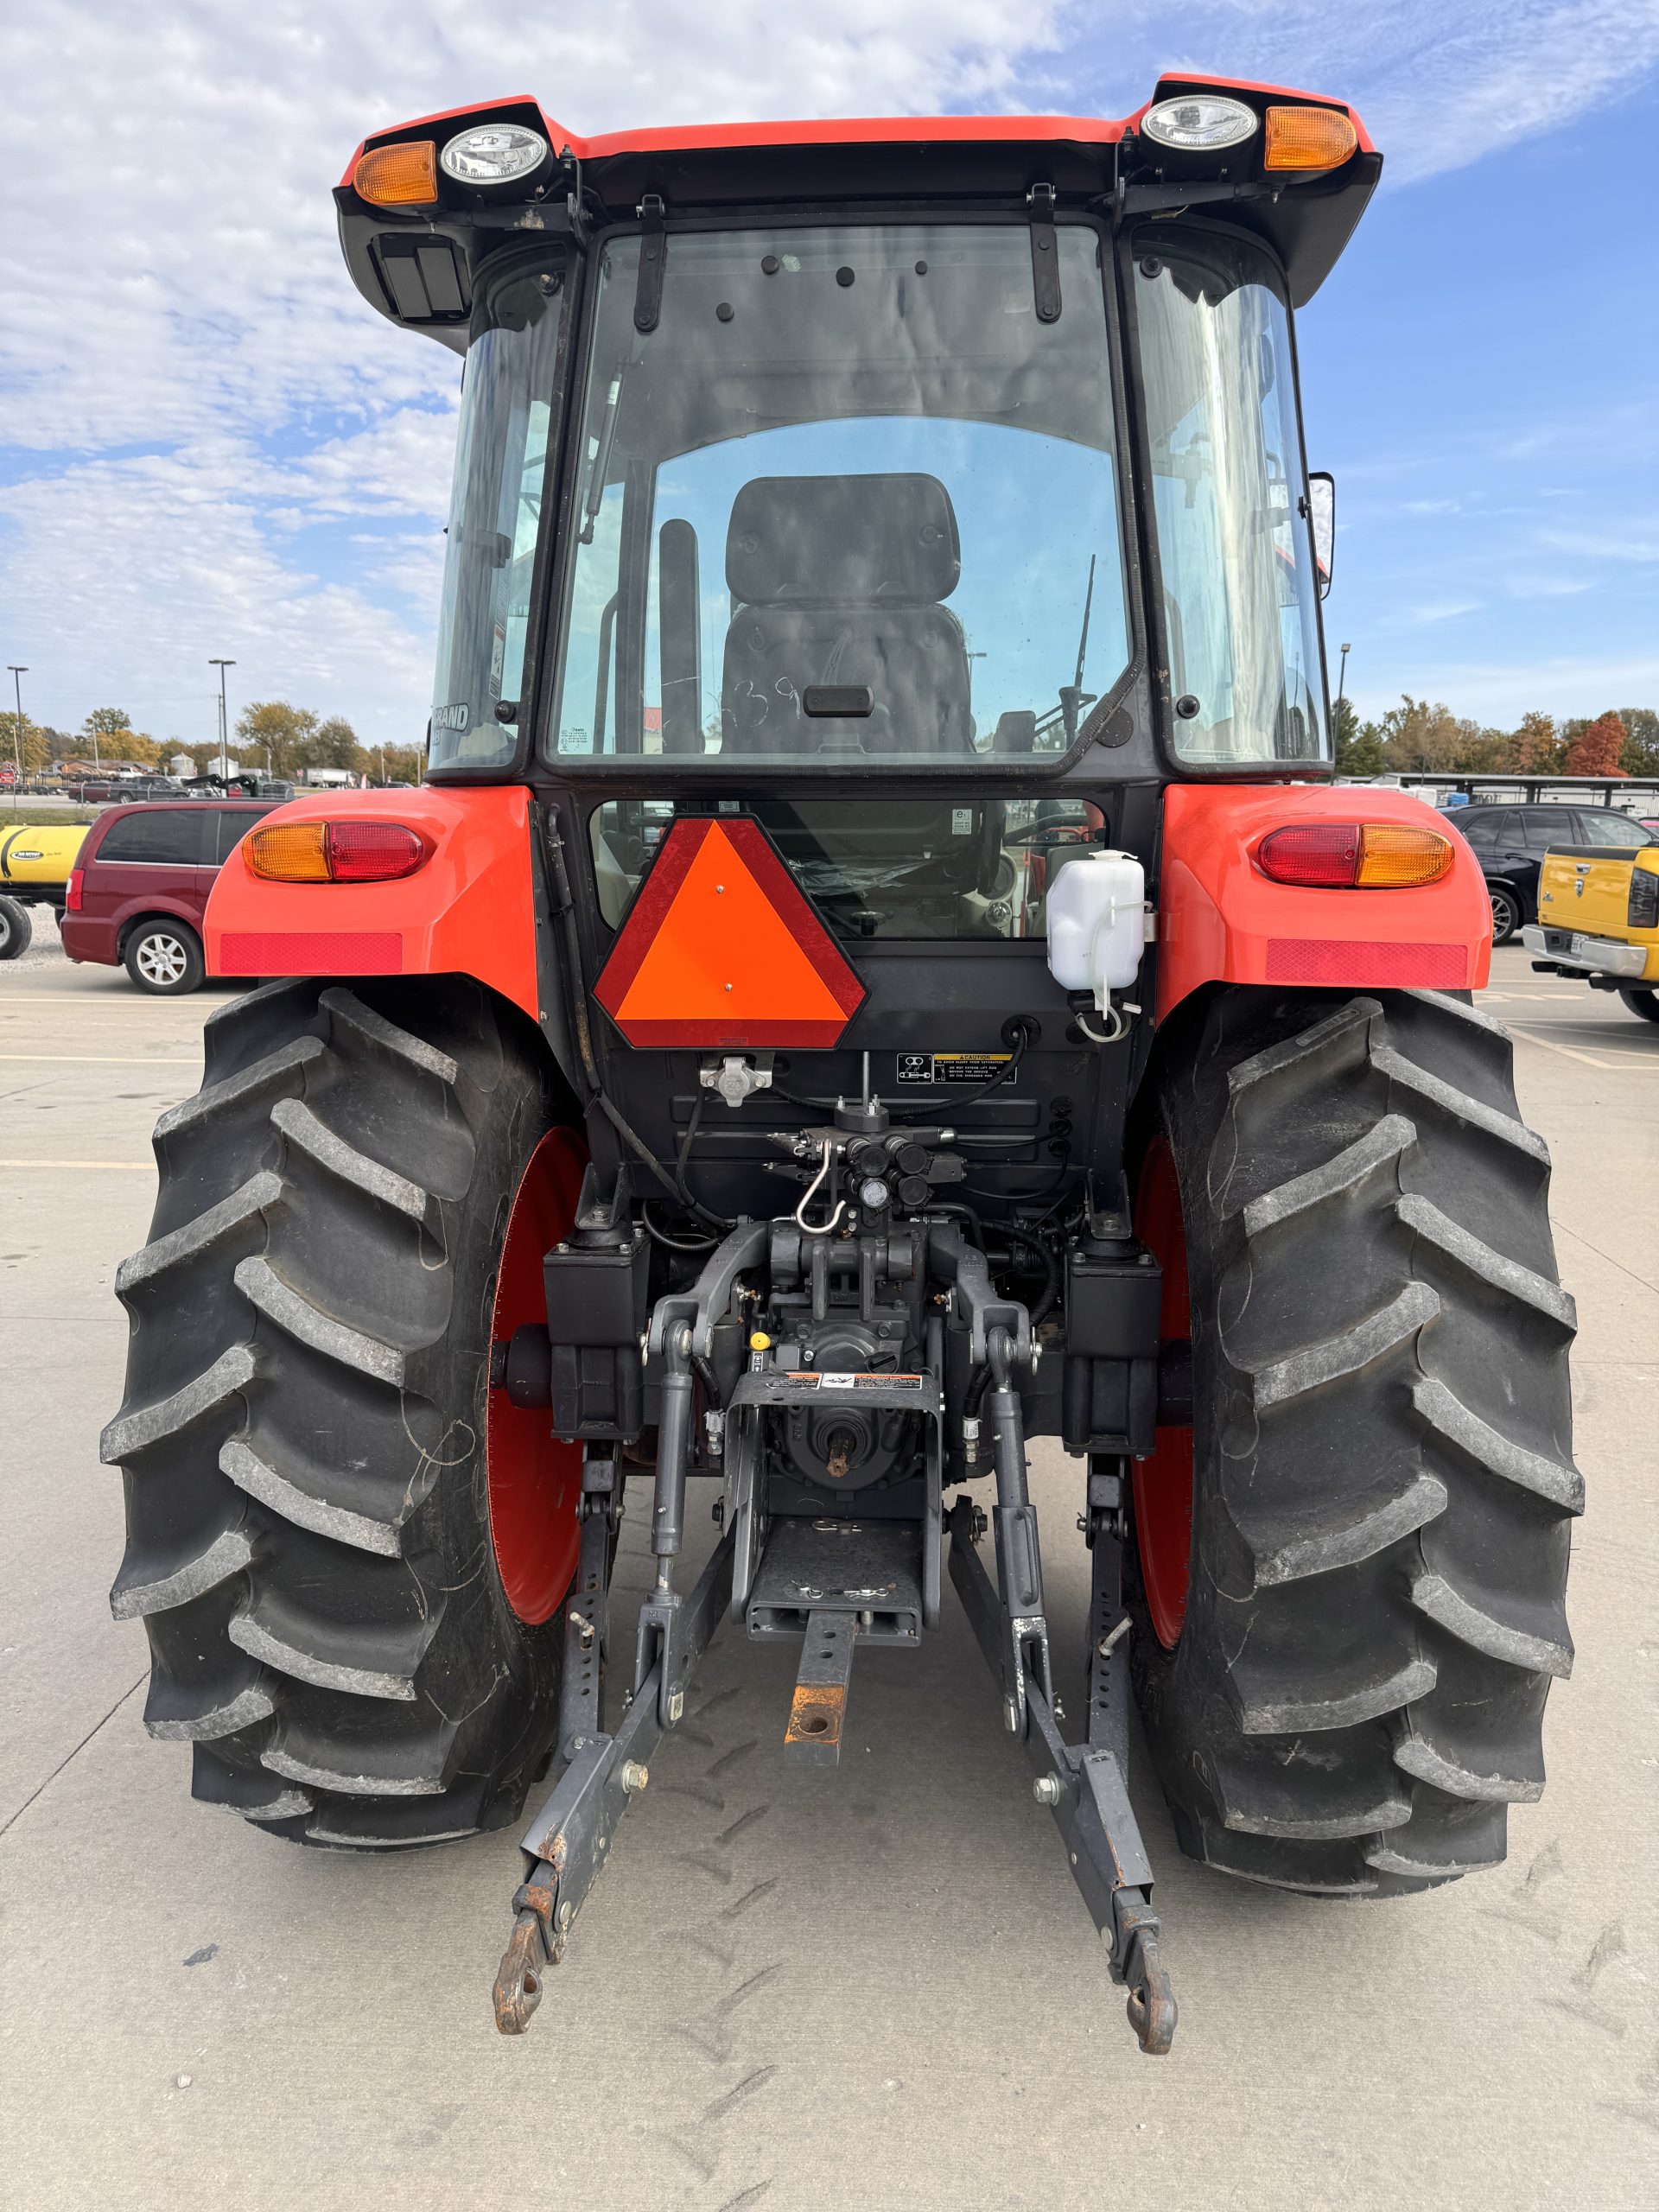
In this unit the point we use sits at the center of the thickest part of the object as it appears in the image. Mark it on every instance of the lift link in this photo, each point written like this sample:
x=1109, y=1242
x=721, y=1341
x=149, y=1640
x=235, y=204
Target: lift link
x=567, y=1843
x=1084, y=1787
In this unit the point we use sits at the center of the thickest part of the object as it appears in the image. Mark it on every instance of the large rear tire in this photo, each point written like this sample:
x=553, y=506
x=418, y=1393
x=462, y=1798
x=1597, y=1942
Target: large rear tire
x=307, y=1404
x=1343, y=1652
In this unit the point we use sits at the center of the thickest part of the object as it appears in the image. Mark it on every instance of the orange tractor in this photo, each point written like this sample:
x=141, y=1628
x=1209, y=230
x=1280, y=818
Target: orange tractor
x=878, y=970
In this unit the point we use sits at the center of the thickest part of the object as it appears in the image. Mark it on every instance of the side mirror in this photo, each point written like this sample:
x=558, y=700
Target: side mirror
x=1322, y=516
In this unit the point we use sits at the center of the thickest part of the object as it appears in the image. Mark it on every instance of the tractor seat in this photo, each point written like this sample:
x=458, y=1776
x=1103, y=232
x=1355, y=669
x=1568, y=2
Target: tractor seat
x=837, y=582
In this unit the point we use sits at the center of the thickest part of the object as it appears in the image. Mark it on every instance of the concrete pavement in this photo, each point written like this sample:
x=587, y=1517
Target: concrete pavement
x=874, y=1989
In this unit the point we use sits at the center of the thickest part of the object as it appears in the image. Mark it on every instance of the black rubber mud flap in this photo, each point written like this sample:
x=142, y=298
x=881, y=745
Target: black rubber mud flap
x=1383, y=1451
x=303, y=1434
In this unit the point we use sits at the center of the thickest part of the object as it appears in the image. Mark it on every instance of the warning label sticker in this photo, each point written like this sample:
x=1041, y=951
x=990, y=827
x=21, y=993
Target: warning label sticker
x=953, y=1067
x=809, y=1380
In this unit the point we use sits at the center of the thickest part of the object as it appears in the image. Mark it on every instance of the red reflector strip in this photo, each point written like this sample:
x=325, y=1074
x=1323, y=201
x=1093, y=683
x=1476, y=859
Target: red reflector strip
x=1399, y=967
x=713, y=1036
x=311, y=952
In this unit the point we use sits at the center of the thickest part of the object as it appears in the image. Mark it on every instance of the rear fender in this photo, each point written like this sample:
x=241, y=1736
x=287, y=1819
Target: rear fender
x=1220, y=919
x=468, y=909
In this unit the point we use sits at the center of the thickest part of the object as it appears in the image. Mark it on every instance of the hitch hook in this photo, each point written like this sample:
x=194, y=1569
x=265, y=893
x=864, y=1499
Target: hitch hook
x=524, y=1962
x=1151, y=2005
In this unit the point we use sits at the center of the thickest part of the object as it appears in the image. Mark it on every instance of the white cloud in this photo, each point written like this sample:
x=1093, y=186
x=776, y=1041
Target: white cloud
x=1442, y=610
x=186, y=358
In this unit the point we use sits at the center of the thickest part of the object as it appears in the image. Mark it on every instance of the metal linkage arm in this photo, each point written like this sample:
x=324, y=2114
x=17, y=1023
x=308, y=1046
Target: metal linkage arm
x=964, y=1267
x=1085, y=1789
x=567, y=1843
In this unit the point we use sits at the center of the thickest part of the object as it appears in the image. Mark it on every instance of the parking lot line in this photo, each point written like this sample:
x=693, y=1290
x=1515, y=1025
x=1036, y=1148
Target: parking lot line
x=1567, y=1051
x=123, y=1167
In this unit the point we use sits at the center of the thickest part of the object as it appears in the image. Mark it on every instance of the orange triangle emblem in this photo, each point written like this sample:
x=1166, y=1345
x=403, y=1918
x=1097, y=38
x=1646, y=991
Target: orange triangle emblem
x=721, y=947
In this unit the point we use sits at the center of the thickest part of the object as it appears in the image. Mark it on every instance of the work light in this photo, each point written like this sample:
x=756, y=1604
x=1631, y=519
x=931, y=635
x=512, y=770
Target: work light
x=493, y=153
x=1197, y=123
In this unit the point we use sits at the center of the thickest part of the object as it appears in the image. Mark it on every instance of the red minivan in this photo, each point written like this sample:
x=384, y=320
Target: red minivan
x=140, y=884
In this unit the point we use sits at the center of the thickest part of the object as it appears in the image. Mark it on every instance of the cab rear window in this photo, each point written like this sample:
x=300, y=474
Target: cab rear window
x=903, y=868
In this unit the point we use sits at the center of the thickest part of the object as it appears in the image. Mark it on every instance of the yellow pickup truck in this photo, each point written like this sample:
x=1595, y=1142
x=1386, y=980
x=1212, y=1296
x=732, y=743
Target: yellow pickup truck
x=1598, y=919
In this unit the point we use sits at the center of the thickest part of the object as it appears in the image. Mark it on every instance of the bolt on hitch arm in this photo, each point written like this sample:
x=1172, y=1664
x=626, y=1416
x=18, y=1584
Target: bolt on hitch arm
x=1085, y=1787
x=567, y=1843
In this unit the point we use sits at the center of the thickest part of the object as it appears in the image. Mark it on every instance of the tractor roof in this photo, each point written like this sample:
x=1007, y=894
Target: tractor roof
x=1092, y=162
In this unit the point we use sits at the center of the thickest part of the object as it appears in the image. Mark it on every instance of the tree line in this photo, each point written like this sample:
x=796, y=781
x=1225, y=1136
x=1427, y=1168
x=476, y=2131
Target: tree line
x=271, y=735
x=284, y=741
x=1623, y=741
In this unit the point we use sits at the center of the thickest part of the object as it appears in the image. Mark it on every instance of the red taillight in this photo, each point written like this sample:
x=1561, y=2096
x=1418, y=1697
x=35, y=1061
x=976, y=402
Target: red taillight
x=1355, y=855
x=72, y=891
x=372, y=852
x=333, y=852
x=1314, y=853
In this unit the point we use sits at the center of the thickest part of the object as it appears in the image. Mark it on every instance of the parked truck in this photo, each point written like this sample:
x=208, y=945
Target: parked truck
x=1598, y=918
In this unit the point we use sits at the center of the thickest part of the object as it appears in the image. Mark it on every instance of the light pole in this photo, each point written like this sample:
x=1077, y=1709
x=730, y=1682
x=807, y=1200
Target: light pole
x=224, y=718
x=19, y=671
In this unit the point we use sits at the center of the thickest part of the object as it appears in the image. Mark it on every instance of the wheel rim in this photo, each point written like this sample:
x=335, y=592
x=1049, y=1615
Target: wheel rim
x=1163, y=1484
x=533, y=1482
x=162, y=960
x=1502, y=920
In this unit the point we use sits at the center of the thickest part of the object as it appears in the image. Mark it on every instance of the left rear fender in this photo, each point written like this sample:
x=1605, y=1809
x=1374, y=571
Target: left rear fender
x=468, y=909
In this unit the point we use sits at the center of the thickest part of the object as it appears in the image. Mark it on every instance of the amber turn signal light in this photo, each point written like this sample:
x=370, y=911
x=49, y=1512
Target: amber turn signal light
x=1354, y=855
x=1307, y=138
x=333, y=852
x=399, y=176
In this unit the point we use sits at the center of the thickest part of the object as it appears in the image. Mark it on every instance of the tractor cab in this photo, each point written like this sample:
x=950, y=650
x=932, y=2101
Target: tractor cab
x=994, y=422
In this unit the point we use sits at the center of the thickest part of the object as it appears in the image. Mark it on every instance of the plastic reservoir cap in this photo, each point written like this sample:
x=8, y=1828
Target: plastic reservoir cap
x=759, y=1341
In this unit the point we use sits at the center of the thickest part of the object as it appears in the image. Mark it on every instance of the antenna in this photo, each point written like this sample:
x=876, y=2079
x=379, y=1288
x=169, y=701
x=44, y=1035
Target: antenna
x=1083, y=642
x=1073, y=697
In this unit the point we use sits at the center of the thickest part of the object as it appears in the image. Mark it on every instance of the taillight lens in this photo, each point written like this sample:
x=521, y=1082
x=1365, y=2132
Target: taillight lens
x=1643, y=913
x=372, y=852
x=335, y=852
x=399, y=176
x=1392, y=858
x=1354, y=855
x=1323, y=854
x=72, y=891
x=1307, y=138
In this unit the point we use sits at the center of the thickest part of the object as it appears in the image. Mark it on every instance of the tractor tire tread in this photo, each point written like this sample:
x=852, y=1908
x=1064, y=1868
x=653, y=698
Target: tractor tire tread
x=301, y=1451
x=1377, y=1604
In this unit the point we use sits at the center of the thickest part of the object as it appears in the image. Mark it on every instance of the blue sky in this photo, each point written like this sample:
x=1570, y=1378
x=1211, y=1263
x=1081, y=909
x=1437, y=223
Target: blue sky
x=209, y=445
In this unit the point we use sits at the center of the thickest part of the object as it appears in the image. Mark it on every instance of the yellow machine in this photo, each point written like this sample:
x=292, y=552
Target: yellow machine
x=34, y=862
x=1598, y=919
